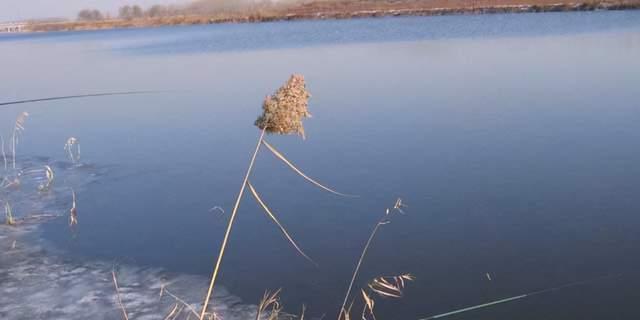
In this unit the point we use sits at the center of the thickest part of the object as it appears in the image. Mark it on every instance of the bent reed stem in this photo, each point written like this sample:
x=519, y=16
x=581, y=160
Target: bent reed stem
x=229, y=226
x=357, y=269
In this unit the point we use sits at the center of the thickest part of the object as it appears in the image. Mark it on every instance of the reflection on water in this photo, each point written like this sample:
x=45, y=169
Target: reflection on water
x=514, y=145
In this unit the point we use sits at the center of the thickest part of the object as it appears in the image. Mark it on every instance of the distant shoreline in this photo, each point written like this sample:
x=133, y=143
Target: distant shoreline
x=347, y=10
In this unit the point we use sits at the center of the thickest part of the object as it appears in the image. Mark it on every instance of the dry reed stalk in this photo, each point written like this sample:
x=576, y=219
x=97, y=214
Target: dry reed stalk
x=115, y=283
x=174, y=312
x=9, y=219
x=234, y=212
x=73, y=212
x=275, y=220
x=288, y=163
x=192, y=310
x=304, y=309
x=384, y=220
x=269, y=300
x=282, y=114
x=17, y=129
x=4, y=154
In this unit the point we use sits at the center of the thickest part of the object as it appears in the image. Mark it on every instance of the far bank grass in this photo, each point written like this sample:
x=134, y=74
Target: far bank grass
x=346, y=9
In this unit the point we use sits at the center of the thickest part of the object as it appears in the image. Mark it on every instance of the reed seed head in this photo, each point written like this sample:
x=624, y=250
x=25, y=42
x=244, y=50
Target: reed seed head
x=283, y=112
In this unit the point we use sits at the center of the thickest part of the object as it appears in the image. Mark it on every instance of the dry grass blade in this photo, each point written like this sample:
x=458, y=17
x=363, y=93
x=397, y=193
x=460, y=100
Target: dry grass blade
x=383, y=221
x=49, y=176
x=173, y=313
x=271, y=301
x=304, y=309
x=288, y=163
x=369, y=303
x=275, y=220
x=164, y=290
x=391, y=287
x=74, y=153
x=17, y=129
x=9, y=219
x=357, y=269
x=346, y=313
x=399, y=205
x=115, y=283
x=20, y=120
x=73, y=212
x=225, y=240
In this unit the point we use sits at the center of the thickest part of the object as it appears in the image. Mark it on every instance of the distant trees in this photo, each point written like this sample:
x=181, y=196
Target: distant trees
x=157, y=11
x=90, y=15
x=130, y=12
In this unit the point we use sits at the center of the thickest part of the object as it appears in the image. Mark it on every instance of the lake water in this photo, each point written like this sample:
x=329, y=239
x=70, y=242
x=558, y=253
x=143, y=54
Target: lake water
x=513, y=139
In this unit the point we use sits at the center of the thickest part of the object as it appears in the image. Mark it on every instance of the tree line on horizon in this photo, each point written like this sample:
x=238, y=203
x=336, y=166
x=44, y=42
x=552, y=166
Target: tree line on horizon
x=130, y=12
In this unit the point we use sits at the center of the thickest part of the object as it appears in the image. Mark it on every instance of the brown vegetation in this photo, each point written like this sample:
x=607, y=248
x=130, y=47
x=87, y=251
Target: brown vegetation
x=204, y=12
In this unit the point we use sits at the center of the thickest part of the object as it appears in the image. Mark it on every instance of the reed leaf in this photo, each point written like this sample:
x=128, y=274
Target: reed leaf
x=294, y=168
x=369, y=303
x=277, y=222
x=391, y=287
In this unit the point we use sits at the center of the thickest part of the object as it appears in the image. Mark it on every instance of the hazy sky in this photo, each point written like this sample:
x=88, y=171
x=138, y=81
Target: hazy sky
x=25, y=9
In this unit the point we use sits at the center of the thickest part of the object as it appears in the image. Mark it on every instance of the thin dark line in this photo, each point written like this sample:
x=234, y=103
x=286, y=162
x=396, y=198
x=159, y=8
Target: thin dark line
x=522, y=296
x=78, y=96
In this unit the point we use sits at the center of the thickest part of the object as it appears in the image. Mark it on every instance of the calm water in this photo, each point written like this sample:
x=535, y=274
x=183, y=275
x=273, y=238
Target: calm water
x=512, y=138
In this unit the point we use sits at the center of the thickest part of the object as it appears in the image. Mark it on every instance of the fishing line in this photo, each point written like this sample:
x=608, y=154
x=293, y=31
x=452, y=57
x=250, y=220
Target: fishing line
x=78, y=96
x=522, y=296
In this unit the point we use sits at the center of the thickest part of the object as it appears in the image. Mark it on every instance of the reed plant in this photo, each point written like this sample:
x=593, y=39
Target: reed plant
x=344, y=312
x=282, y=113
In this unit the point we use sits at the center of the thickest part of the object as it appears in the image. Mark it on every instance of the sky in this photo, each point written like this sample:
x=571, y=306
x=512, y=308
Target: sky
x=15, y=10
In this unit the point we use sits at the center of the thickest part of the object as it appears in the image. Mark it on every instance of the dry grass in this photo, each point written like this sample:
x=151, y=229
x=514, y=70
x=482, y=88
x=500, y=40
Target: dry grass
x=181, y=305
x=115, y=284
x=343, y=314
x=270, y=304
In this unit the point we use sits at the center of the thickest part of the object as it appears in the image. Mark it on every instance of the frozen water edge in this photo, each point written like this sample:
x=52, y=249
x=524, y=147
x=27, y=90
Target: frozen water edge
x=36, y=284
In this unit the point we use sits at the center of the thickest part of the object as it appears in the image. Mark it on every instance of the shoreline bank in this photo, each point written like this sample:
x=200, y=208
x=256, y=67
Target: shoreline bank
x=365, y=9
